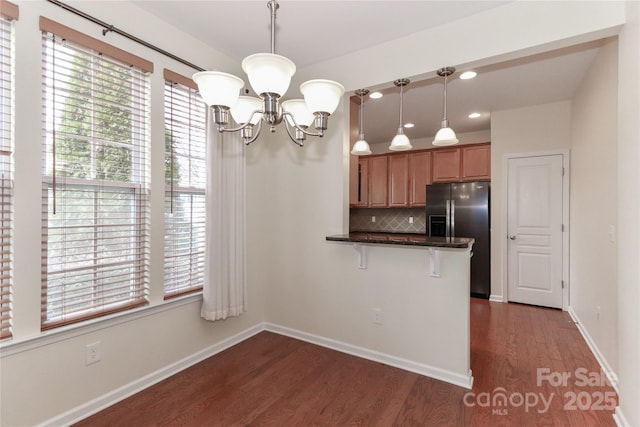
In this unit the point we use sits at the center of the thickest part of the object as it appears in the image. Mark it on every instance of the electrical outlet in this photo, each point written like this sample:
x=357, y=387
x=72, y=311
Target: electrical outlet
x=373, y=219
x=377, y=316
x=410, y=220
x=598, y=312
x=93, y=353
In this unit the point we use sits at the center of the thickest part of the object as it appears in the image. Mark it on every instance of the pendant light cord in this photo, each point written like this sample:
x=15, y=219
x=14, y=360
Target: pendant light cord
x=445, y=96
x=401, y=90
x=361, y=114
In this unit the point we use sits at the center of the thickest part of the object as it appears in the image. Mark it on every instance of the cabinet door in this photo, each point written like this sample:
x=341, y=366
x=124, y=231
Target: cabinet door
x=446, y=165
x=419, y=177
x=363, y=182
x=476, y=162
x=399, y=180
x=378, y=181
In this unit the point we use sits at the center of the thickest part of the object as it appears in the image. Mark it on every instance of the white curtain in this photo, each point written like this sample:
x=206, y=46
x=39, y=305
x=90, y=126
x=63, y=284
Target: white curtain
x=224, y=292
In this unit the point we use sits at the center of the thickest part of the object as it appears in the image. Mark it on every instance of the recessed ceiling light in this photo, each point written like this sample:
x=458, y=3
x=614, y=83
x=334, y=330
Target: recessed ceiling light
x=468, y=75
x=375, y=95
x=474, y=115
x=408, y=125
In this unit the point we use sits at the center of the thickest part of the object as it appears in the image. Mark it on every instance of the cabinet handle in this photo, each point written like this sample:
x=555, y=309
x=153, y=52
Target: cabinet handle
x=512, y=237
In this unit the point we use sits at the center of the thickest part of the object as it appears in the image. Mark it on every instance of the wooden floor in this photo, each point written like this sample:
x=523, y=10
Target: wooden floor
x=273, y=380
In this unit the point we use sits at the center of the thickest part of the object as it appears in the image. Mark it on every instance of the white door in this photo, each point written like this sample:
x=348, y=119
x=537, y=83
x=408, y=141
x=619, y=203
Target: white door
x=534, y=230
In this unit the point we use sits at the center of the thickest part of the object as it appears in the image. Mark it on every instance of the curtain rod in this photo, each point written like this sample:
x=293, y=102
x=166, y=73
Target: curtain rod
x=110, y=28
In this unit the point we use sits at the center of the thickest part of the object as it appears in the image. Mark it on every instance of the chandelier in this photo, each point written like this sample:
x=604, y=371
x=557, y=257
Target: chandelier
x=269, y=75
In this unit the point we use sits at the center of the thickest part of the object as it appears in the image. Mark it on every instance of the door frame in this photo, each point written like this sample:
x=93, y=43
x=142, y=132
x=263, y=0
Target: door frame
x=565, y=153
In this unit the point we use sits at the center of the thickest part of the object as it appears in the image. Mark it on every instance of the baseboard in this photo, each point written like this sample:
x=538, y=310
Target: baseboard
x=89, y=408
x=604, y=365
x=465, y=381
x=96, y=405
x=620, y=419
x=496, y=298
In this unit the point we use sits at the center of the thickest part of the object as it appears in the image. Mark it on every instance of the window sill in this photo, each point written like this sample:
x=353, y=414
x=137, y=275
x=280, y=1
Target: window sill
x=12, y=346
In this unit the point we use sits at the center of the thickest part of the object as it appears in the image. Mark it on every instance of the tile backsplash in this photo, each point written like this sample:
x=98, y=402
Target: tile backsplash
x=393, y=220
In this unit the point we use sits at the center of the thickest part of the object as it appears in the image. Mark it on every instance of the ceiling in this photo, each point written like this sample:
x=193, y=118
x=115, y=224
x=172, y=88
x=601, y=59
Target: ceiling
x=310, y=32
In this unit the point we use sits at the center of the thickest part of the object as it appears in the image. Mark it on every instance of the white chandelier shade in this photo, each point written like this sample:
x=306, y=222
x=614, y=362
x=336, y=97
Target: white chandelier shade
x=299, y=111
x=322, y=95
x=242, y=111
x=269, y=73
x=218, y=88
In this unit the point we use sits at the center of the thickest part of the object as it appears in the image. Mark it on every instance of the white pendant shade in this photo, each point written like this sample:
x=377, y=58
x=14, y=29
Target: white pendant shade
x=269, y=73
x=241, y=112
x=400, y=142
x=445, y=136
x=322, y=96
x=218, y=88
x=361, y=148
x=301, y=113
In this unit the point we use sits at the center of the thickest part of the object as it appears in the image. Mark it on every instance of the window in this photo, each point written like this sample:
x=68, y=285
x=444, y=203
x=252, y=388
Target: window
x=95, y=227
x=185, y=178
x=9, y=13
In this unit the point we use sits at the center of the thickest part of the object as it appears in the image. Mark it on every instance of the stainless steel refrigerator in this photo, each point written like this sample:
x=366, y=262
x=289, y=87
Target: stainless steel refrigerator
x=462, y=210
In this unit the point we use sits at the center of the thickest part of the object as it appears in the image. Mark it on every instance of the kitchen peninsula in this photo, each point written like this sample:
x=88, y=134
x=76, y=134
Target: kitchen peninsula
x=433, y=273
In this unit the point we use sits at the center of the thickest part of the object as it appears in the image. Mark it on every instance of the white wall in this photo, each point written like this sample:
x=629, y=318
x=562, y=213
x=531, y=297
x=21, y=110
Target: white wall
x=522, y=130
x=316, y=286
x=594, y=203
x=628, y=214
x=42, y=382
x=295, y=197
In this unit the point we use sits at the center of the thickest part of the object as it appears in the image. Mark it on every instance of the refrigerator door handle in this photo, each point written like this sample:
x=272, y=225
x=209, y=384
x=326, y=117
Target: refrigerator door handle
x=453, y=218
x=447, y=205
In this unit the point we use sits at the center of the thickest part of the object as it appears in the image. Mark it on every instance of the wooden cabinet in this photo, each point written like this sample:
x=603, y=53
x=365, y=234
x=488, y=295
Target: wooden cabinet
x=372, y=182
x=362, y=199
x=419, y=177
x=476, y=162
x=378, y=181
x=446, y=165
x=398, y=180
x=465, y=163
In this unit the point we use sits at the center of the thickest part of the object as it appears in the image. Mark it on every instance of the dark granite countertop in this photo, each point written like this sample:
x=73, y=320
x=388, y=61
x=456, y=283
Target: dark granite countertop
x=405, y=239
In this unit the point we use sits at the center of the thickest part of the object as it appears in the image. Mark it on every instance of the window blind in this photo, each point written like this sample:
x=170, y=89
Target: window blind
x=6, y=169
x=185, y=178
x=95, y=210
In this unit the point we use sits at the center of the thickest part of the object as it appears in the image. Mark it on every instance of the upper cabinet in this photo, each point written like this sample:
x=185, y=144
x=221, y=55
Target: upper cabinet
x=371, y=177
x=378, y=181
x=476, y=162
x=446, y=165
x=419, y=177
x=464, y=163
x=400, y=179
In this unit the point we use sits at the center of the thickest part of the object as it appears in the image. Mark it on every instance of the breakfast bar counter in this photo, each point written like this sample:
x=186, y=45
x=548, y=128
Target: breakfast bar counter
x=405, y=239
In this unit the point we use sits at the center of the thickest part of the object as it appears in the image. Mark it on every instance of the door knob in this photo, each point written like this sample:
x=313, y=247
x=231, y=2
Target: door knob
x=512, y=237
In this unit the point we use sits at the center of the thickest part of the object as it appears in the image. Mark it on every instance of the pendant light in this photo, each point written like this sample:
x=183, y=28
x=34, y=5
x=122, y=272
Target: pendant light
x=446, y=135
x=361, y=147
x=400, y=142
